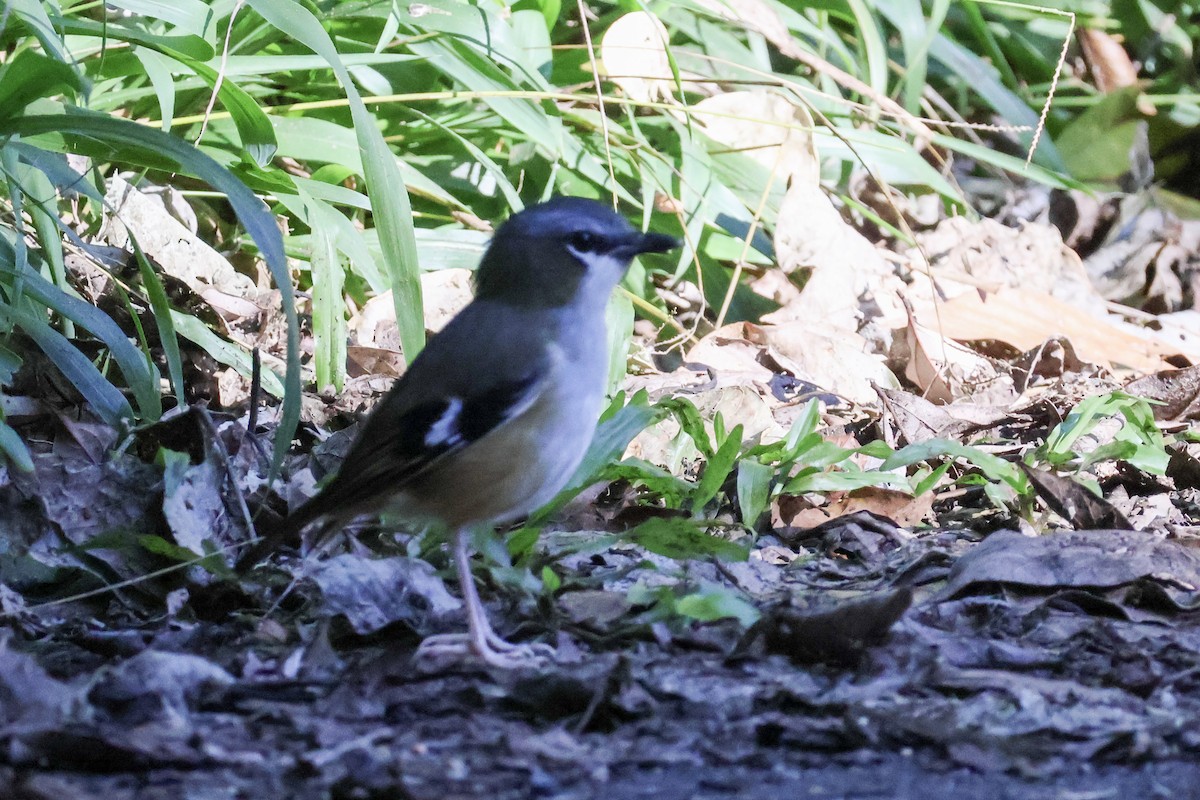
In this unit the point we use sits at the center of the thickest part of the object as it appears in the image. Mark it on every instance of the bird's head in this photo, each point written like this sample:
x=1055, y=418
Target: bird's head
x=565, y=249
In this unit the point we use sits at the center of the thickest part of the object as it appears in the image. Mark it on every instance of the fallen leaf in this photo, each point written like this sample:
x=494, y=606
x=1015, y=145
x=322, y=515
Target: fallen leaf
x=1025, y=319
x=178, y=251
x=634, y=54
x=1097, y=558
x=945, y=370
x=1074, y=502
x=765, y=126
x=373, y=593
x=1176, y=392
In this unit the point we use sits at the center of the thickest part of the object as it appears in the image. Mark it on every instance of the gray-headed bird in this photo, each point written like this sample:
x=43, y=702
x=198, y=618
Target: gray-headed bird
x=492, y=418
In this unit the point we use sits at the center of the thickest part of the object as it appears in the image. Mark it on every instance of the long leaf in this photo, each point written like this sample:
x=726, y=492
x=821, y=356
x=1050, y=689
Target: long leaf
x=108, y=402
x=391, y=209
x=135, y=368
x=254, y=216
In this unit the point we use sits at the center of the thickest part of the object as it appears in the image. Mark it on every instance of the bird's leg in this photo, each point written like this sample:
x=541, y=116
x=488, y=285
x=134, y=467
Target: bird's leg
x=480, y=640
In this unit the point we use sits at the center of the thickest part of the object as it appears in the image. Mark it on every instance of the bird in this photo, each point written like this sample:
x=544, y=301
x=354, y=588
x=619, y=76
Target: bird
x=493, y=416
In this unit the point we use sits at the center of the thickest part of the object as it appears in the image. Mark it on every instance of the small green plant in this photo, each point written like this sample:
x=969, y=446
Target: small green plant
x=1138, y=441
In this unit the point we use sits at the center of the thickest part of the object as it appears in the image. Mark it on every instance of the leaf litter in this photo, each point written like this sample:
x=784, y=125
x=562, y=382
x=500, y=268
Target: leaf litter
x=801, y=575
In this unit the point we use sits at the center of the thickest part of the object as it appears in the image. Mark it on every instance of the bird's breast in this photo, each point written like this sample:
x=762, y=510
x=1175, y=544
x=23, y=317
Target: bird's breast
x=525, y=462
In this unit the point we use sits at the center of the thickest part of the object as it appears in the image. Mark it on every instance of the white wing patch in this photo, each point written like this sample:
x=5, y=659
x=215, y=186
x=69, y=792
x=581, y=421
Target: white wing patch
x=444, y=432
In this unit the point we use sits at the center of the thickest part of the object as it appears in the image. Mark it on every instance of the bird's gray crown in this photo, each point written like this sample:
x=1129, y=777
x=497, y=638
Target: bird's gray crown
x=542, y=255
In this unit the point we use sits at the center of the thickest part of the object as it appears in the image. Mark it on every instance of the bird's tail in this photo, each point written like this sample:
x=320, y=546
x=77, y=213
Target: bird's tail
x=275, y=534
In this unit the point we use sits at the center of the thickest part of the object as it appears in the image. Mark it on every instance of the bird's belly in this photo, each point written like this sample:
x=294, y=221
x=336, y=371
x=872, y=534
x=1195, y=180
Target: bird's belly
x=518, y=467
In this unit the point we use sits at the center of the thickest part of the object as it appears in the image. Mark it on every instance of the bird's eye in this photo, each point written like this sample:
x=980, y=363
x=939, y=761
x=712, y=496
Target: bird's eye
x=585, y=242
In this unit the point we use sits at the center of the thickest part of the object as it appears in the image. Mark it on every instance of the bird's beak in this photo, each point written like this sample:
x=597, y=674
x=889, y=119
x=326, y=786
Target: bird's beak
x=653, y=243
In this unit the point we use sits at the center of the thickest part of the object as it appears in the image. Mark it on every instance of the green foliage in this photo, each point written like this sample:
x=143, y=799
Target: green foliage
x=374, y=130
x=678, y=538
x=489, y=107
x=1137, y=442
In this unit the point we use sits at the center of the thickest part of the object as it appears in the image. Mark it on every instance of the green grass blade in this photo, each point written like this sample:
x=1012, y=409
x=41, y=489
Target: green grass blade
x=391, y=209
x=81, y=126
x=105, y=399
x=328, y=308
x=161, y=306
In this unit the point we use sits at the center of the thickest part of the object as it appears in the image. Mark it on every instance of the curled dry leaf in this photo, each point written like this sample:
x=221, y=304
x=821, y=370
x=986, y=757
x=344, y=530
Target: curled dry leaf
x=1149, y=258
x=945, y=370
x=798, y=513
x=911, y=419
x=1176, y=392
x=1109, y=63
x=179, y=251
x=1073, y=501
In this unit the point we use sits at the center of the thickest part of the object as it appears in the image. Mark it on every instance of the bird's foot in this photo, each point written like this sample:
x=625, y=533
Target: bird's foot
x=484, y=646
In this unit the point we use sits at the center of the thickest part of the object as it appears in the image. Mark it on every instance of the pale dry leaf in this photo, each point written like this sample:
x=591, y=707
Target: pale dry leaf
x=945, y=370
x=969, y=255
x=195, y=509
x=765, y=126
x=839, y=362
x=634, y=54
x=177, y=250
x=742, y=405
x=914, y=419
x=1025, y=319
x=727, y=350
x=445, y=292
x=1179, y=330
x=665, y=444
x=849, y=278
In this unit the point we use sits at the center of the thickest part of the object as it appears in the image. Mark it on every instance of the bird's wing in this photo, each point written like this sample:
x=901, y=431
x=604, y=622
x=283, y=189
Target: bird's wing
x=394, y=449
x=453, y=394
x=396, y=446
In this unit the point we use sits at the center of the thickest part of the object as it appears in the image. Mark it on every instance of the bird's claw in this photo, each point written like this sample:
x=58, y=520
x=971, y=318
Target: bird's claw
x=489, y=648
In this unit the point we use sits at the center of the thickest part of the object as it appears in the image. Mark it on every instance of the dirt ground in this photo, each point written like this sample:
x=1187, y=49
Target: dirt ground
x=944, y=664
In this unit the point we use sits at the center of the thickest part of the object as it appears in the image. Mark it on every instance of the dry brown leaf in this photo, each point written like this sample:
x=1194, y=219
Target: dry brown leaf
x=1110, y=65
x=362, y=361
x=914, y=419
x=1025, y=319
x=179, y=251
x=900, y=507
x=1177, y=392
x=945, y=370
